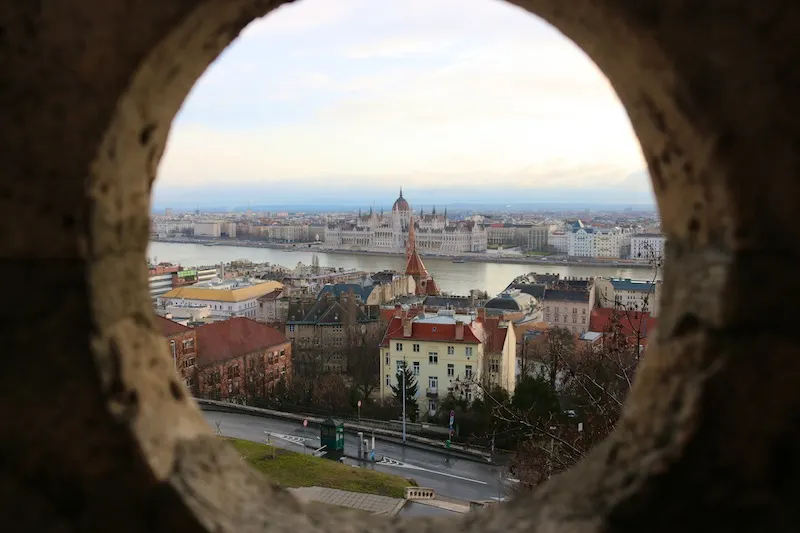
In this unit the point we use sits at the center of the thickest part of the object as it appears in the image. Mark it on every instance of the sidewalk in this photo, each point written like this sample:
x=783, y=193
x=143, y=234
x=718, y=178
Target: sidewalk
x=370, y=503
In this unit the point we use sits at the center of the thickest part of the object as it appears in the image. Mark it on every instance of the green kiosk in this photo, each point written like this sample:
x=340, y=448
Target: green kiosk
x=331, y=435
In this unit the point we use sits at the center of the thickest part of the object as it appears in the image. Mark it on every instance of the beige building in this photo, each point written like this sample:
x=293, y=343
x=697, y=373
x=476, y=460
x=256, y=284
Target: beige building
x=527, y=236
x=272, y=307
x=569, y=308
x=500, y=352
x=439, y=351
x=207, y=229
x=630, y=294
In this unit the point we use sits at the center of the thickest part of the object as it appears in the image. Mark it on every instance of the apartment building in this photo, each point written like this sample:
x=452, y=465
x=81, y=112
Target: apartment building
x=182, y=343
x=647, y=246
x=324, y=330
x=438, y=351
x=240, y=358
x=629, y=294
x=569, y=308
x=527, y=236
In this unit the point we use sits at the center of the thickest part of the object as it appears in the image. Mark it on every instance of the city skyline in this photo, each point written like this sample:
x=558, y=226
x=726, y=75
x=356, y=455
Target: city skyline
x=374, y=97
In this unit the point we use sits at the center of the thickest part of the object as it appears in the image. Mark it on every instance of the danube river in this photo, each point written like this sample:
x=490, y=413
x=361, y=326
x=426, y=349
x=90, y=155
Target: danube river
x=455, y=278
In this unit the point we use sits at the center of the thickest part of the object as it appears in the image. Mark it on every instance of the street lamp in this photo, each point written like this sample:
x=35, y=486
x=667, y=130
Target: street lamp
x=404, y=401
x=359, y=412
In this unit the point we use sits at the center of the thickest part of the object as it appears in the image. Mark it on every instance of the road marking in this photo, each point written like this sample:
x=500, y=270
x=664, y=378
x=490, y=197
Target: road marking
x=300, y=441
x=388, y=461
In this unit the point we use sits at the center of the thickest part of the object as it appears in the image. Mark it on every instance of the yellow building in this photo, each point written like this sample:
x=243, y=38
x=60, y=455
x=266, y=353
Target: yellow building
x=226, y=299
x=438, y=350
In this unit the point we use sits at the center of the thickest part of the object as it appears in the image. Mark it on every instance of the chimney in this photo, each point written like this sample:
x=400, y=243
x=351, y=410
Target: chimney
x=459, y=330
x=398, y=311
x=406, y=327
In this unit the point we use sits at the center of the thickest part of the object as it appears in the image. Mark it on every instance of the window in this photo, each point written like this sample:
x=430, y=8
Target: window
x=283, y=353
x=584, y=311
x=583, y=320
x=468, y=395
x=399, y=365
x=451, y=370
x=415, y=366
x=291, y=328
x=468, y=351
x=494, y=365
x=388, y=380
x=433, y=358
x=574, y=319
x=398, y=347
x=388, y=360
x=432, y=406
x=451, y=350
x=433, y=382
x=556, y=319
x=415, y=347
x=468, y=371
x=188, y=343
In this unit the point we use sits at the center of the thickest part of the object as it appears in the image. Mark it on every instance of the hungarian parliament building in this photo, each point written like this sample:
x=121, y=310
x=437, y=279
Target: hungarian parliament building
x=434, y=233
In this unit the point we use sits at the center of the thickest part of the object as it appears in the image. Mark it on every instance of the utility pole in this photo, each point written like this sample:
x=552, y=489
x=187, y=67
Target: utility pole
x=404, y=401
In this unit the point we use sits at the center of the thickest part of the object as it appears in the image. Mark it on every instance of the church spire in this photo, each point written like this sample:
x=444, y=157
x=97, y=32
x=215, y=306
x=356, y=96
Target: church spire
x=434, y=210
x=401, y=191
x=445, y=212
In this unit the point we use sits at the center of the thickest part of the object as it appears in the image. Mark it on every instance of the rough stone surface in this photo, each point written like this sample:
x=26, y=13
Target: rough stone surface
x=94, y=441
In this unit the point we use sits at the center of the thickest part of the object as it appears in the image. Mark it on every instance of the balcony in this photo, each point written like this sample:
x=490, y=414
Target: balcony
x=432, y=392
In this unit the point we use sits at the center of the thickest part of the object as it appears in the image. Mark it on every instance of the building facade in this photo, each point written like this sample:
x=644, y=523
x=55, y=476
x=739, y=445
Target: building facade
x=569, y=307
x=182, y=344
x=648, y=246
x=527, y=236
x=438, y=352
x=226, y=298
x=241, y=360
x=576, y=239
x=629, y=294
x=434, y=233
x=323, y=332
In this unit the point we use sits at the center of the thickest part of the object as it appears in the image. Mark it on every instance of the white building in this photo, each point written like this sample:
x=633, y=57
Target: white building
x=226, y=299
x=576, y=239
x=647, y=246
x=434, y=232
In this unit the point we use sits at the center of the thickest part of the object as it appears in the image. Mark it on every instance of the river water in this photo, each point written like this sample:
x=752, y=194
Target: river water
x=456, y=278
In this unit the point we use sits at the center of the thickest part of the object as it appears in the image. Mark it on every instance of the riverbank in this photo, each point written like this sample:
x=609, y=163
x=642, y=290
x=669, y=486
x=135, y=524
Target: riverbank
x=556, y=260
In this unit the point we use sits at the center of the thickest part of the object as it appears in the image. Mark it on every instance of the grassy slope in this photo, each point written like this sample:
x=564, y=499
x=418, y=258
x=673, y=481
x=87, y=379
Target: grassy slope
x=291, y=469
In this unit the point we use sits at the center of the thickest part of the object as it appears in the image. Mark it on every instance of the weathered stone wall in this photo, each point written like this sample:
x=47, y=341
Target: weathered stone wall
x=98, y=434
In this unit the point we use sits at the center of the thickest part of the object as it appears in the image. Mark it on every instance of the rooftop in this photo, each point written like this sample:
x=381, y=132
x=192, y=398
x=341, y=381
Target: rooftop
x=235, y=337
x=628, y=284
x=224, y=292
x=422, y=331
x=170, y=327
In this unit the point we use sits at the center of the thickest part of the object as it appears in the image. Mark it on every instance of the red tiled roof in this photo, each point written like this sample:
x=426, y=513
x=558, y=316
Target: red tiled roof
x=422, y=331
x=170, y=327
x=631, y=322
x=235, y=337
x=494, y=335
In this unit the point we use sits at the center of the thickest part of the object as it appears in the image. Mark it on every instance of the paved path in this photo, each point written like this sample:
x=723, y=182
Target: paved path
x=354, y=500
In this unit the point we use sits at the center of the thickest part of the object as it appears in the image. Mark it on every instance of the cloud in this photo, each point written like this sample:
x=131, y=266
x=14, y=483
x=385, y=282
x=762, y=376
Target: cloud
x=464, y=93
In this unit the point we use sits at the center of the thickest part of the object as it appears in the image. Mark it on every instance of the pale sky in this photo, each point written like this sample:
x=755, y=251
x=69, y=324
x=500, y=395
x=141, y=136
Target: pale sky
x=433, y=95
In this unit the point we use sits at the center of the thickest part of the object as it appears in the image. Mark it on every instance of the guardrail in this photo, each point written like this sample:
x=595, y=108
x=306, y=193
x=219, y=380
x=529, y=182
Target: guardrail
x=433, y=443
x=419, y=493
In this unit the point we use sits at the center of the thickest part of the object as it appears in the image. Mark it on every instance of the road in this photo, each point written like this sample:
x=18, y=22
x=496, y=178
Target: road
x=453, y=477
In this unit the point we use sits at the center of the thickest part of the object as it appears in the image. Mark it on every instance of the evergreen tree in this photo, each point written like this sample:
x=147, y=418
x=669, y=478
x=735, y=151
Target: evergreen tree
x=412, y=409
